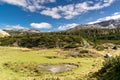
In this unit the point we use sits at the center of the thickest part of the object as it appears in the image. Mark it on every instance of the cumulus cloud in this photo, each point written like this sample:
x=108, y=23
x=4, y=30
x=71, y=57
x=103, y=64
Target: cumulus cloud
x=60, y=11
x=72, y=10
x=31, y=5
x=67, y=26
x=14, y=27
x=15, y=2
x=51, y=12
x=42, y=25
x=116, y=15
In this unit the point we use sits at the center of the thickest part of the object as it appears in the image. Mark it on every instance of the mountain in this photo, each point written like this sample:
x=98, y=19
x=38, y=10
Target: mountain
x=22, y=32
x=102, y=31
x=3, y=33
x=109, y=23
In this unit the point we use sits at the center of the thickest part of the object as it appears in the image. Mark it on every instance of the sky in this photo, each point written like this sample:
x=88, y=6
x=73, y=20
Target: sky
x=55, y=15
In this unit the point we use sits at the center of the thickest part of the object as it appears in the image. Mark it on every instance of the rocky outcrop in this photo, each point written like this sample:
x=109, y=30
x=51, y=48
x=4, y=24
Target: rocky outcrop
x=3, y=33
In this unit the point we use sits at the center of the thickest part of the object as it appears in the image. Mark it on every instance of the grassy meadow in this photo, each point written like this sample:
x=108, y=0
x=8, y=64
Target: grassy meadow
x=22, y=64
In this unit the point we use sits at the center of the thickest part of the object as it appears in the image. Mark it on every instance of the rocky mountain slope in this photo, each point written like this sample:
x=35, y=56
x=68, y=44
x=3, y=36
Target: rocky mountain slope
x=3, y=33
x=22, y=32
x=109, y=23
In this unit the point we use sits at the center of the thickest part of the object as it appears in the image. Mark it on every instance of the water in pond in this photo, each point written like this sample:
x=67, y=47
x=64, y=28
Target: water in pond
x=58, y=68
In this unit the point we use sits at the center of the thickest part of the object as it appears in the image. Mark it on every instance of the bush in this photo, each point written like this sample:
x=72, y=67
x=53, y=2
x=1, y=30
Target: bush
x=72, y=45
x=84, y=51
x=110, y=69
x=100, y=48
x=115, y=47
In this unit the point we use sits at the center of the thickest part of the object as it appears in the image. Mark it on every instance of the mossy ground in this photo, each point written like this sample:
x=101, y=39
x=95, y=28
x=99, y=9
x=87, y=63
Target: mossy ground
x=18, y=57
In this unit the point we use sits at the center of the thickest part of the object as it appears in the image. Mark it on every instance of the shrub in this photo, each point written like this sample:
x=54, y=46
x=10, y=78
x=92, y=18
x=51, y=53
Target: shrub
x=72, y=45
x=84, y=51
x=110, y=69
x=100, y=48
x=115, y=47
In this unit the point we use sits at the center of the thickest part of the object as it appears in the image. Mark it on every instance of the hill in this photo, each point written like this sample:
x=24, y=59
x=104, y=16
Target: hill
x=3, y=33
x=22, y=32
x=94, y=34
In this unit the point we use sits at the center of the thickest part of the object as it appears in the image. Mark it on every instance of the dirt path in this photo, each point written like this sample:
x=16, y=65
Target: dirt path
x=116, y=52
x=111, y=51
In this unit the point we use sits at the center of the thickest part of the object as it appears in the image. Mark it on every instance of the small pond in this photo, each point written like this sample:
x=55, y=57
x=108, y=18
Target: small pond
x=58, y=68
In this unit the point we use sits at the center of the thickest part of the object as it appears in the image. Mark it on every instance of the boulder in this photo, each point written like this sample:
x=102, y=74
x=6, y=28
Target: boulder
x=108, y=55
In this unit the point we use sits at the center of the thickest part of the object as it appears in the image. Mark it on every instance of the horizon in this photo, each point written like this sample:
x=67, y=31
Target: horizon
x=55, y=15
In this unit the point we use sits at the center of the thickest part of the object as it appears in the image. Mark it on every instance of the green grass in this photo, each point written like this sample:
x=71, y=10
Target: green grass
x=17, y=56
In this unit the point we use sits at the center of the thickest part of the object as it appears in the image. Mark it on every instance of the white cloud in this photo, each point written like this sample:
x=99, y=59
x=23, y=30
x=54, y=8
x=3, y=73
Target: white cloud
x=67, y=11
x=67, y=26
x=14, y=27
x=16, y=2
x=52, y=0
x=31, y=5
x=101, y=4
x=51, y=12
x=114, y=16
x=72, y=10
x=43, y=25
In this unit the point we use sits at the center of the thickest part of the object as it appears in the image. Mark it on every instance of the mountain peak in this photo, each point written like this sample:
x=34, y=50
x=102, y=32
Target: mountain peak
x=109, y=23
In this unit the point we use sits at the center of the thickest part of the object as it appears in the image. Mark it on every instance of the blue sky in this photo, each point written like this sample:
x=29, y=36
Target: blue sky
x=55, y=15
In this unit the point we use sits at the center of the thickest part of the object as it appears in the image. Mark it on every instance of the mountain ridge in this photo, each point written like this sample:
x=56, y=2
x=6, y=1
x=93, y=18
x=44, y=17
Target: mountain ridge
x=109, y=23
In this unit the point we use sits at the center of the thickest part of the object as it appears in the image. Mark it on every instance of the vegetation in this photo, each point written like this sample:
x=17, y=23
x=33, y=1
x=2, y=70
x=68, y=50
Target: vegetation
x=31, y=69
x=115, y=47
x=110, y=69
x=66, y=39
x=84, y=51
x=21, y=64
x=47, y=48
x=43, y=40
x=100, y=48
x=97, y=35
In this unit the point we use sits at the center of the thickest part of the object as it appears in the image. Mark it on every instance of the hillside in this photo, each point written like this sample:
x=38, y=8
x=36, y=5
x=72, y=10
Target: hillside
x=97, y=32
x=71, y=38
x=3, y=33
x=109, y=23
x=74, y=54
x=22, y=32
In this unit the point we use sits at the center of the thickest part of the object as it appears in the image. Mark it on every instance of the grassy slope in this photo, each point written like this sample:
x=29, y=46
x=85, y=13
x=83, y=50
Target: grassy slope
x=19, y=55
